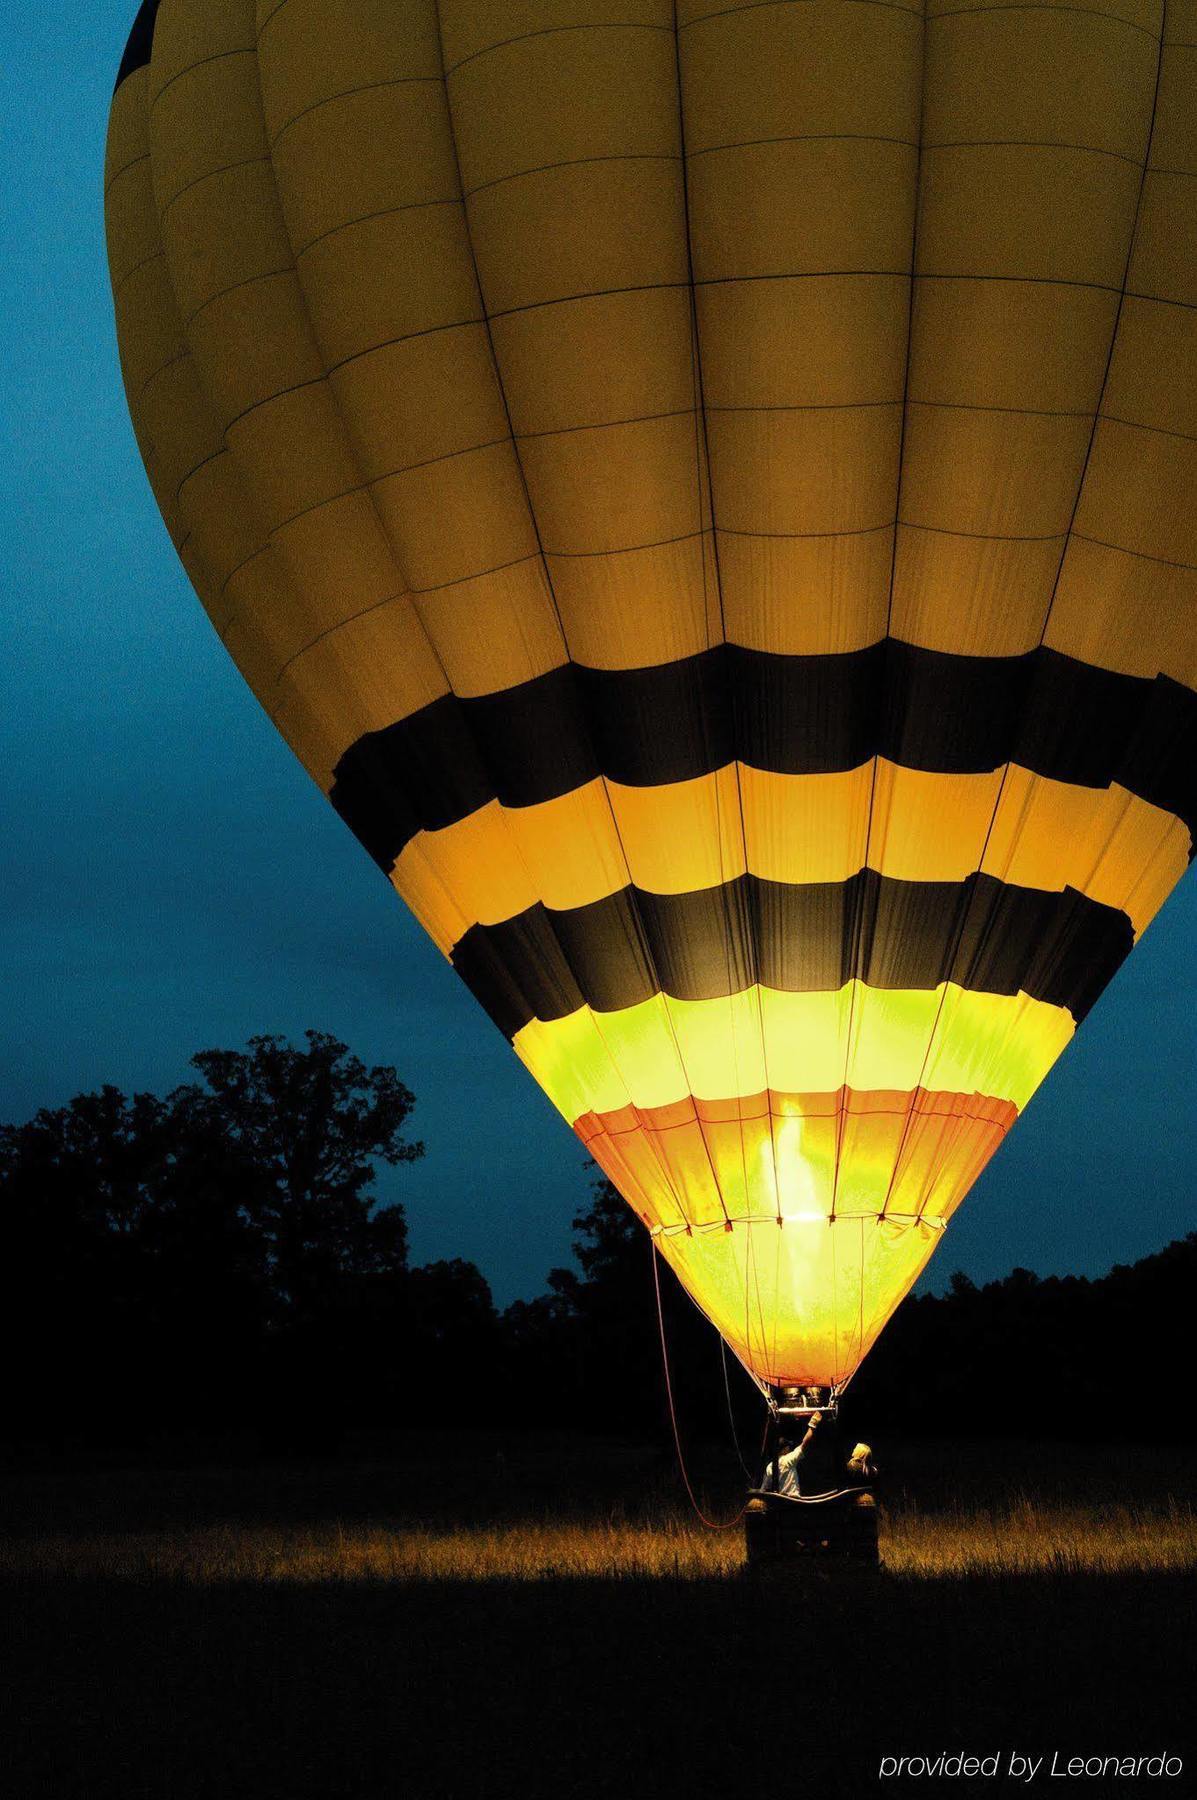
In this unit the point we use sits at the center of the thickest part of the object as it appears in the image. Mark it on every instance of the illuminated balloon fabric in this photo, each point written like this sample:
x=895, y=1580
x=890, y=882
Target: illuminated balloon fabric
x=769, y=680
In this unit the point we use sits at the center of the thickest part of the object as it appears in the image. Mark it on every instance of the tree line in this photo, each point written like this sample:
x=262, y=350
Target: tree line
x=216, y=1263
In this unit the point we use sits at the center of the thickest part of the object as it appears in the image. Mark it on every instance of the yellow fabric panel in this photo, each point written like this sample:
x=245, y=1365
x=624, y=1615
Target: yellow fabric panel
x=435, y=394
x=635, y=608
x=130, y=222
x=147, y=326
x=973, y=596
x=569, y=852
x=342, y=560
x=1117, y=610
x=383, y=279
x=1163, y=264
x=1174, y=138
x=1153, y=374
x=1104, y=842
x=812, y=70
x=127, y=140
x=493, y=631
x=199, y=490
x=1138, y=493
x=802, y=472
x=393, y=304
x=1026, y=212
x=187, y=35
x=600, y=359
x=253, y=343
x=470, y=27
x=457, y=517
x=851, y=329
x=329, y=170
x=601, y=390
x=1180, y=21
x=1162, y=267
x=579, y=228
x=563, y=96
x=186, y=435
x=803, y=1304
x=204, y=120
x=215, y=506
x=307, y=52
x=292, y=450
x=615, y=487
x=843, y=584
x=662, y=1050
x=991, y=474
x=801, y=207
x=994, y=76
x=256, y=594
x=1017, y=344
x=224, y=231
x=375, y=668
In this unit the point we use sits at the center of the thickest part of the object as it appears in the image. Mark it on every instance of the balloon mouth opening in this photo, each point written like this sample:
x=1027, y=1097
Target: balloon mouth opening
x=700, y=1228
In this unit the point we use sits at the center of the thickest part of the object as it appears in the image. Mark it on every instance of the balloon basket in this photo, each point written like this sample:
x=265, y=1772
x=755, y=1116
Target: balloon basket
x=781, y=1533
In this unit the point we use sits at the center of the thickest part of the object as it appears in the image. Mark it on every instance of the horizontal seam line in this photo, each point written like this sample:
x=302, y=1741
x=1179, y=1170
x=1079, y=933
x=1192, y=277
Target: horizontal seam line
x=364, y=612
x=1187, y=437
x=987, y=537
x=269, y=16
x=246, y=281
x=383, y=212
x=124, y=169
x=1091, y=12
x=575, y=162
x=365, y=87
x=1165, y=562
x=218, y=56
x=727, y=12
x=211, y=457
x=142, y=263
x=178, y=357
x=525, y=37
x=243, y=162
x=1136, y=162
x=804, y=137
x=295, y=388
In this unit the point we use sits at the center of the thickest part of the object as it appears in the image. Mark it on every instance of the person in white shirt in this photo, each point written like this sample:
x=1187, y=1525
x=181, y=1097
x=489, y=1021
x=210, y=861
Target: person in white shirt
x=781, y=1473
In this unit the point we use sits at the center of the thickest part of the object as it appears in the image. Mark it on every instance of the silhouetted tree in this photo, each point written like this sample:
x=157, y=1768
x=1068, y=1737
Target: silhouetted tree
x=214, y=1256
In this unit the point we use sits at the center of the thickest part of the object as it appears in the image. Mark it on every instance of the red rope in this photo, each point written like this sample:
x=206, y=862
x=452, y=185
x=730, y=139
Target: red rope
x=711, y=1524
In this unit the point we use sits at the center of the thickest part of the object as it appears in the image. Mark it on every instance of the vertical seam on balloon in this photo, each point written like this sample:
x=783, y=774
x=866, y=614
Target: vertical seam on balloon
x=644, y=944
x=859, y=921
x=706, y=504
x=987, y=925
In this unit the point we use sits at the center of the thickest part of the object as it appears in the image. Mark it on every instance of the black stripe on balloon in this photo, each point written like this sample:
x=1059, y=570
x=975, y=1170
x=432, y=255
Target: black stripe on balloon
x=798, y=938
x=788, y=715
x=141, y=40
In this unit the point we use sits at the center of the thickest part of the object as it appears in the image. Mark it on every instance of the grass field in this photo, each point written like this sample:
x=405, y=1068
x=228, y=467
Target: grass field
x=548, y=1618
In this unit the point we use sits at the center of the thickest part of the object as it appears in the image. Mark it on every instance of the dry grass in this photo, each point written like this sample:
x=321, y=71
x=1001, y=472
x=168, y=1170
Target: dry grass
x=1021, y=1537
x=548, y=1619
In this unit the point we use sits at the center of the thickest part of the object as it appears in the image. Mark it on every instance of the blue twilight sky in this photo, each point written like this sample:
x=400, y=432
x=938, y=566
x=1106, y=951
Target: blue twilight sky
x=170, y=879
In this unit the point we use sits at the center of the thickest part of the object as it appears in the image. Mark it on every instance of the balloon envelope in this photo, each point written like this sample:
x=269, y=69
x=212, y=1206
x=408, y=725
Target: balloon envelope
x=708, y=492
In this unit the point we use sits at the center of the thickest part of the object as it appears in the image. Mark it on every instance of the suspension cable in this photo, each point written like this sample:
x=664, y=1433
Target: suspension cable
x=711, y=1524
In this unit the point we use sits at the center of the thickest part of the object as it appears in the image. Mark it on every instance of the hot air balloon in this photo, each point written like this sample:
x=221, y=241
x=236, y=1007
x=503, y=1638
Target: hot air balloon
x=707, y=490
